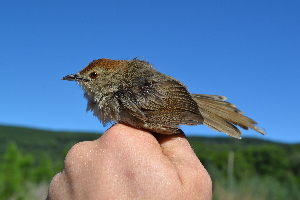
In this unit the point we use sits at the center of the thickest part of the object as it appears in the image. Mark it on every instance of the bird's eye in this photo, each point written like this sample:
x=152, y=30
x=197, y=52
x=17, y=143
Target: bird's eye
x=93, y=75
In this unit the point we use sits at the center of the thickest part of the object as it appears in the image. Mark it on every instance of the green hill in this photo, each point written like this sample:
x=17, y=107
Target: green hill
x=262, y=169
x=41, y=142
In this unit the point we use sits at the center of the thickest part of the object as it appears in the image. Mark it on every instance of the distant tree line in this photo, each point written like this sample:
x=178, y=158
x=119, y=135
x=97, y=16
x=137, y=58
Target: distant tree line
x=17, y=170
x=257, y=169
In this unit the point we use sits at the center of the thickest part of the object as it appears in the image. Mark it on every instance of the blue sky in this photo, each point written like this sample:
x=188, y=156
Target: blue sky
x=248, y=51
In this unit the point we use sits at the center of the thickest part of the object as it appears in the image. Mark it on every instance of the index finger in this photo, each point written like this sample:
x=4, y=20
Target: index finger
x=191, y=172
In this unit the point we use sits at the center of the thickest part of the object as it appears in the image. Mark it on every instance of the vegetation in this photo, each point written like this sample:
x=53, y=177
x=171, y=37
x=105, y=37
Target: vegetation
x=259, y=169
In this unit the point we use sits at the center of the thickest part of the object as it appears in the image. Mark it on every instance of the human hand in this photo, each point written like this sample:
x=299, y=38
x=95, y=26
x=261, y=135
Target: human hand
x=128, y=163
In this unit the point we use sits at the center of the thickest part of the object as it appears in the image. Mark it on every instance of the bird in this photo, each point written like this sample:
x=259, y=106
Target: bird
x=133, y=92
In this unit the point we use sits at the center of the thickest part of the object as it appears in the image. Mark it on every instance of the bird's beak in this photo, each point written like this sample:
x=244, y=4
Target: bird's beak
x=74, y=77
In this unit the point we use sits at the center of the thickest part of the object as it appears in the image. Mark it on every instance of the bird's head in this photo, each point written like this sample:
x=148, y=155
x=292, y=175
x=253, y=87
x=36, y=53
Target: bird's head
x=100, y=75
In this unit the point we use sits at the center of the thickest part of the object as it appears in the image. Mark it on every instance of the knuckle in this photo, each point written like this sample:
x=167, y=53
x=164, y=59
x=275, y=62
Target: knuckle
x=76, y=155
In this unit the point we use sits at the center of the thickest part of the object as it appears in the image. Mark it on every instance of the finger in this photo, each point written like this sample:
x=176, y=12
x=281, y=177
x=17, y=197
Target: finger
x=123, y=159
x=167, y=152
x=190, y=170
x=58, y=188
x=137, y=149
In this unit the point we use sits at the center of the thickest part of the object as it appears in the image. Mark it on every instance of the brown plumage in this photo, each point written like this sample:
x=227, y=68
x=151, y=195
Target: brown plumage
x=134, y=93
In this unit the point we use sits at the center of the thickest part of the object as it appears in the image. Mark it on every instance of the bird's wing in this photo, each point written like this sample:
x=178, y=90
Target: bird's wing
x=164, y=102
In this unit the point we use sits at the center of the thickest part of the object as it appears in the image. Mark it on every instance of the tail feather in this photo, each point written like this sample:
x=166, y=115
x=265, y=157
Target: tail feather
x=218, y=124
x=217, y=102
x=222, y=116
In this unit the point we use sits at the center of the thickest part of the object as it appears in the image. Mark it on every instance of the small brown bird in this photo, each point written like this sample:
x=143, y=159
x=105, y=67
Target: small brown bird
x=134, y=93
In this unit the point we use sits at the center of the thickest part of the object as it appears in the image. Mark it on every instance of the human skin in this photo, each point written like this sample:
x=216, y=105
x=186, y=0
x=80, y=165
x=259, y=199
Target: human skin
x=129, y=163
